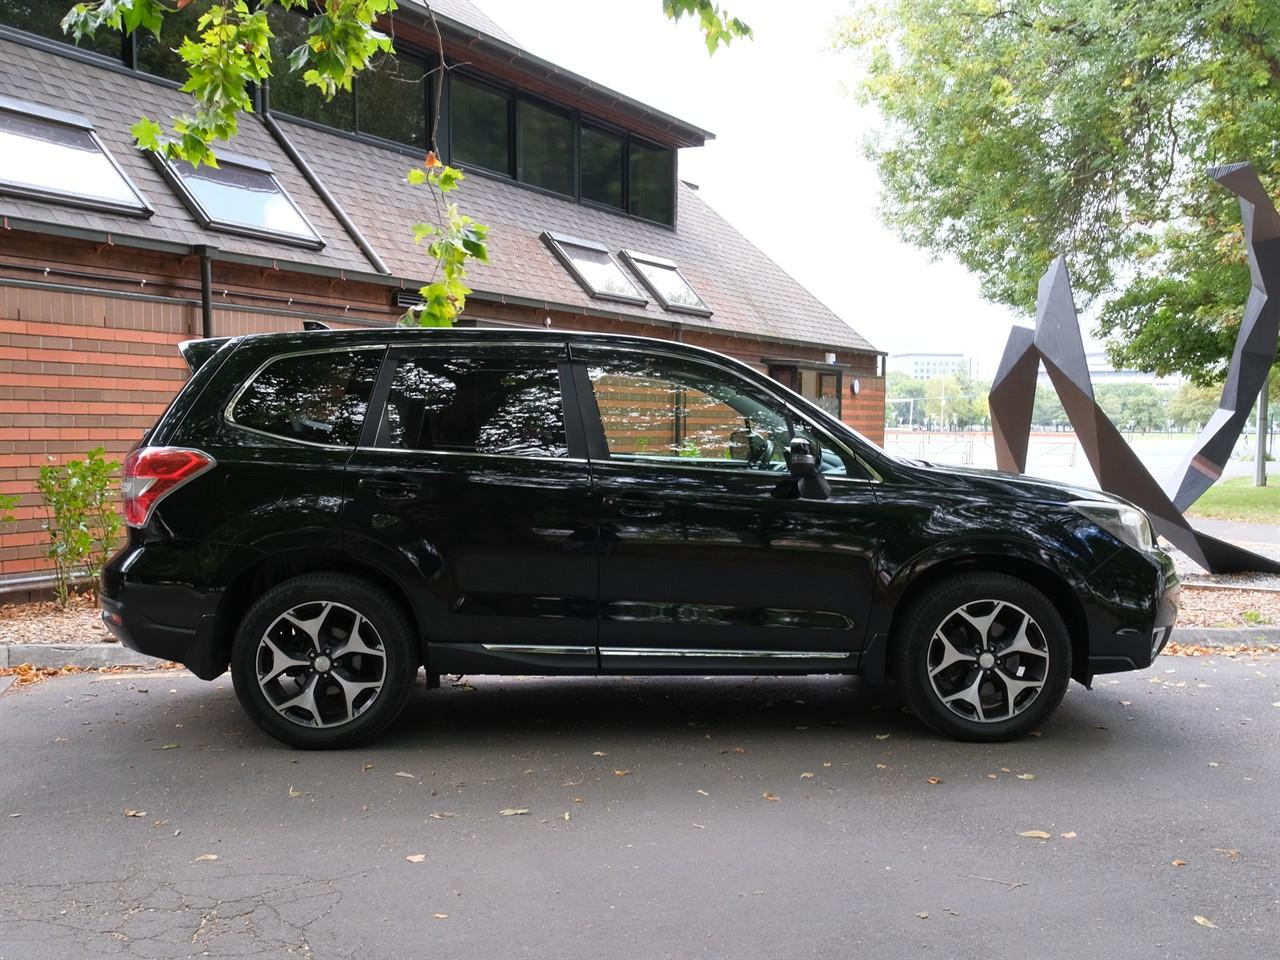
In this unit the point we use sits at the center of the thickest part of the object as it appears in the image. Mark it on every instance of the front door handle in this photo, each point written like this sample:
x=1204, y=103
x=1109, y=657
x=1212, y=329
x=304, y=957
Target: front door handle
x=636, y=507
x=390, y=489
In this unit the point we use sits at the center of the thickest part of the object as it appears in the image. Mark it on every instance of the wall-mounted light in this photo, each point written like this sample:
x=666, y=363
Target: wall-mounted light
x=855, y=386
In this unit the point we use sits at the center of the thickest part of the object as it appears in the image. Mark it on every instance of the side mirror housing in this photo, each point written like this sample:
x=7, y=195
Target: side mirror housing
x=803, y=458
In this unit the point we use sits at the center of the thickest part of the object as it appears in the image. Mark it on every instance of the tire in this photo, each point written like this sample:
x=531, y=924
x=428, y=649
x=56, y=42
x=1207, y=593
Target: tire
x=336, y=635
x=982, y=657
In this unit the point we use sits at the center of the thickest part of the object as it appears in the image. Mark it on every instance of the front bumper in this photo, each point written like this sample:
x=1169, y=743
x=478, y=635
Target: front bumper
x=1138, y=594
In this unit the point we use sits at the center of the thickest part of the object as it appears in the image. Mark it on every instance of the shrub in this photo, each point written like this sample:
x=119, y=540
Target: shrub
x=7, y=502
x=80, y=518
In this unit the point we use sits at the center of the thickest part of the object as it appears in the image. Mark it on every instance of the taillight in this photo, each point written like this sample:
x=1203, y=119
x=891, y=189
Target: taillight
x=152, y=473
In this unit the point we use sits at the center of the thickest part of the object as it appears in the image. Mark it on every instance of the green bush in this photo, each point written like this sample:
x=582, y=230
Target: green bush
x=80, y=518
x=7, y=502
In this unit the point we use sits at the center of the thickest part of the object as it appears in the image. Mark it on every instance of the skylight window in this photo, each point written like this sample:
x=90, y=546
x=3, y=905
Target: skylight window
x=593, y=267
x=667, y=284
x=241, y=195
x=51, y=155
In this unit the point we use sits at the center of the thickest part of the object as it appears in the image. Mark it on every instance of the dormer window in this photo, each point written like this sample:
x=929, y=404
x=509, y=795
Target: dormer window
x=593, y=267
x=51, y=155
x=241, y=195
x=667, y=284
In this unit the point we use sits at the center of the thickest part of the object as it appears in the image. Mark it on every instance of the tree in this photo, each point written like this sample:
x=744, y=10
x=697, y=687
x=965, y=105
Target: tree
x=229, y=53
x=1016, y=130
x=901, y=386
x=1191, y=405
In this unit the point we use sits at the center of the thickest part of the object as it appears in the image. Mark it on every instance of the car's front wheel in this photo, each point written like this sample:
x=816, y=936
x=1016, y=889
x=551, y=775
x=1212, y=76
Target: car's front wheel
x=324, y=660
x=983, y=656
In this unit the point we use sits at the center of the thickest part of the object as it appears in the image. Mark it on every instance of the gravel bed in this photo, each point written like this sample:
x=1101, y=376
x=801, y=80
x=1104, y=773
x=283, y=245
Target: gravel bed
x=45, y=623
x=1190, y=572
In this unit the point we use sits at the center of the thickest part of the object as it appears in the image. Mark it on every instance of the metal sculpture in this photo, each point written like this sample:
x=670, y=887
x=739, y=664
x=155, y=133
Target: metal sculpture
x=1056, y=341
x=1255, y=348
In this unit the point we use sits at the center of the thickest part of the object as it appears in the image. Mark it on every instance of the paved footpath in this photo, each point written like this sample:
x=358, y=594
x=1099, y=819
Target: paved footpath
x=1238, y=531
x=673, y=846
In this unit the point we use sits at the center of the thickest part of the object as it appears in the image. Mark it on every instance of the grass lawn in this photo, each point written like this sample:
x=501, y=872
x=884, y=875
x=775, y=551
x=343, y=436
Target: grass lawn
x=1239, y=499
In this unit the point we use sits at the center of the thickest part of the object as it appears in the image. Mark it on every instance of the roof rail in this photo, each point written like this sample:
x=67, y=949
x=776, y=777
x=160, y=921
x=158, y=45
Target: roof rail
x=315, y=325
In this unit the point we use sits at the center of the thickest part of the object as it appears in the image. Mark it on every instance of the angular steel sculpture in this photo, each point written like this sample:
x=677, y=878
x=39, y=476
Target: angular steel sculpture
x=1056, y=341
x=1255, y=349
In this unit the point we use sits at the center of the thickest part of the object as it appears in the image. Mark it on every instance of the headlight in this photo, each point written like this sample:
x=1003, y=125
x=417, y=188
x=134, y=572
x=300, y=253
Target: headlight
x=1126, y=523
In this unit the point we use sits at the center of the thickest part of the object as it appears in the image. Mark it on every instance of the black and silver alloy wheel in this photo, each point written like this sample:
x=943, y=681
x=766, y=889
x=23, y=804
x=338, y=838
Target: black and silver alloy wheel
x=321, y=664
x=324, y=660
x=983, y=656
x=988, y=660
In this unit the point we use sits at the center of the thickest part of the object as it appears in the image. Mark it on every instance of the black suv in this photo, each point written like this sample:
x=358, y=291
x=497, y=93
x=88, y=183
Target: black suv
x=328, y=512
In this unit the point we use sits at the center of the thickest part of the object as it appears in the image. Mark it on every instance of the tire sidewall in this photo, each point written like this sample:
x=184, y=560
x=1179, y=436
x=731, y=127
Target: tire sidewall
x=927, y=614
x=377, y=607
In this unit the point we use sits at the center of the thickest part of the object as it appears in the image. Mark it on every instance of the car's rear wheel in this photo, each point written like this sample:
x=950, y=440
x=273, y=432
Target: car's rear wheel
x=324, y=660
x=983, y=656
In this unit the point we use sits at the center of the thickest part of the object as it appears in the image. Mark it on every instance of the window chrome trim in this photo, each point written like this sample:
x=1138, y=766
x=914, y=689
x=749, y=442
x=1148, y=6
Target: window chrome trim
x=538, y=649
x=39, y=111
x=730, y=654
x=228, y=411
x=206, y=218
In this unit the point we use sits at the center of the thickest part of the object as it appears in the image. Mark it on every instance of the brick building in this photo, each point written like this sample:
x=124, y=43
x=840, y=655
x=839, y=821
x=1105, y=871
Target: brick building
x=109, y=258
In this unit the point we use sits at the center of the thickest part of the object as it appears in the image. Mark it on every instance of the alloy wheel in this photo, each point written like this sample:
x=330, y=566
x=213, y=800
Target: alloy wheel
x=988, y=661
x=321, y=664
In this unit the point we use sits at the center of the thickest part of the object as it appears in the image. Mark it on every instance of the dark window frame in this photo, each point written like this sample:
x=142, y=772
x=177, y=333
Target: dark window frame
x=142, y=209
x=558, y=241
x=508, y=93
x=633, y=258
x=210, y=222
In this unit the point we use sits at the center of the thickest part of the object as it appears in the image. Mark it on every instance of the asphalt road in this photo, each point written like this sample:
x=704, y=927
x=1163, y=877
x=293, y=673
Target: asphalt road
x=683, y=856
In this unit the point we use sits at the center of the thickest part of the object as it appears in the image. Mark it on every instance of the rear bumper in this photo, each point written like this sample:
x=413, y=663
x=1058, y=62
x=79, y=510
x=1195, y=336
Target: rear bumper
x=169, y=621
x=1130, y=628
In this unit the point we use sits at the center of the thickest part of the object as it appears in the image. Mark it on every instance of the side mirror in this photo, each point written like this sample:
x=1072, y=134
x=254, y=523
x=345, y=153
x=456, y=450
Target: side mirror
x=803, y=459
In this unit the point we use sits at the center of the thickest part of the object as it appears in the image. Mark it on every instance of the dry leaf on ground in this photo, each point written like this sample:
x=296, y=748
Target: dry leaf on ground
x=1205, y=922
x=440, y=916
x=1179, y=863
x=416, y=857
x=1026, y=776
x=770, y=796
x=1069, y=835
x=513, y=812
x=205, y=858
x=1035, y=834
x=622, y=773
x=405, y=774
x=933, y=781
x=807, y=776
x=134, y=813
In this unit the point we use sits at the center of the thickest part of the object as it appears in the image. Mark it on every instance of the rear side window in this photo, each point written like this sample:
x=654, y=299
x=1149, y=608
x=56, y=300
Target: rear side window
x=313, y=397
x=476, y=405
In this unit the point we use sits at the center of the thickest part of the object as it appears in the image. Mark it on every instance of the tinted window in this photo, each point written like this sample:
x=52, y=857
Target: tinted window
x=392, y=99
x=665, y=410
x=475, y=405
x=479, y=120
x=160, y=56
x=601, y=166
x=288, y=92
x=318, y=397
x=544, y=148
x=44, y=18
x=653, y=183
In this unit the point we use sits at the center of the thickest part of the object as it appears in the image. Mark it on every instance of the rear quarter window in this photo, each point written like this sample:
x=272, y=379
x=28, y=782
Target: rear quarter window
x=311, y=397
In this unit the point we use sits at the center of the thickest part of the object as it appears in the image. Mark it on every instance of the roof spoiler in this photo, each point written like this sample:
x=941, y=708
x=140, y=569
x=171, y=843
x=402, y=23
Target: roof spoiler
x=196, y=352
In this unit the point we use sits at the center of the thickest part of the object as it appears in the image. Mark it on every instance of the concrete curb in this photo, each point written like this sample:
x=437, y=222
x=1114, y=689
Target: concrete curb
x=93, y=655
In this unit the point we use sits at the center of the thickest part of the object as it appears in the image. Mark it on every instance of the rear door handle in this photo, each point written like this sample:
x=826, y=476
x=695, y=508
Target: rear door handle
x=637, y=508
x=390, y=489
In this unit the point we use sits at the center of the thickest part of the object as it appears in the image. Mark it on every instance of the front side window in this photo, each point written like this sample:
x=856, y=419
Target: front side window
x=499, y=405
x=661, y=410
x=241, y=196
x=312, y=397
x=56, y=156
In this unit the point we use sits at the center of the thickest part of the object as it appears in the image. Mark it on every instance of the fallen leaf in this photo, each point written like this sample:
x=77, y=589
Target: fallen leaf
x=566, y=816
x=923, y=914
x=1126, y=703
x=826, y=763
x=769, y=796
x=1213, y=763
x=416, y=857
x=1026, y=776
x=1035, y=834
x=1005, y=770
x=622, y=773
x=442, y=814
x=1035, y=733
x=993, y=776
x=15, y=815
x=366, y=766
x=700, y=826
x=702, y=793
x=933, y=781
x=205, y=858
x=407, y=776
x=1179, y=863
x=579, y=800
x=807, y=776
x=739, y=749
x=882, y=736
x=160, y=823
x=599, y=753
x=1205, y=922
x=294, y=794
x=440, y=916
x=134, y=813
x=170, y=746
x=1231, y=854
x=882, y=766
x=513, y=812
x=1069, y=835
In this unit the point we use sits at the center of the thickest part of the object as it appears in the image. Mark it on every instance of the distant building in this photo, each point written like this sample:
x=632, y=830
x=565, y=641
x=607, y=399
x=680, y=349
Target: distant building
x=1102, y=371
x=926, y=366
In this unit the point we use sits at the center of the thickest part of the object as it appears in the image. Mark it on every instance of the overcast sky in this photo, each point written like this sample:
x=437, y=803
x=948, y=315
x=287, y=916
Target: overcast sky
x=777, y=107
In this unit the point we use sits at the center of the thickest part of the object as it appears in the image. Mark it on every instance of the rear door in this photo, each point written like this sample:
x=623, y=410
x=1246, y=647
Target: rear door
x=473, y=482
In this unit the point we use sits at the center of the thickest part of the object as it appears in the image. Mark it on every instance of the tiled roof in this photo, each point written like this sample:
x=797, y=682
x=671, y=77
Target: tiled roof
x=747, y=292
x=113, y=101
x=468, y=15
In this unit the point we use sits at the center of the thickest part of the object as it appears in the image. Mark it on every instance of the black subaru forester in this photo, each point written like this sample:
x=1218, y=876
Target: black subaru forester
x=326, y=513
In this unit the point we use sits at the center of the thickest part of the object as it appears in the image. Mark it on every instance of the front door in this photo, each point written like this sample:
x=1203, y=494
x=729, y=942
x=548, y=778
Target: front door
x=476, y=479
x=708, y=561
